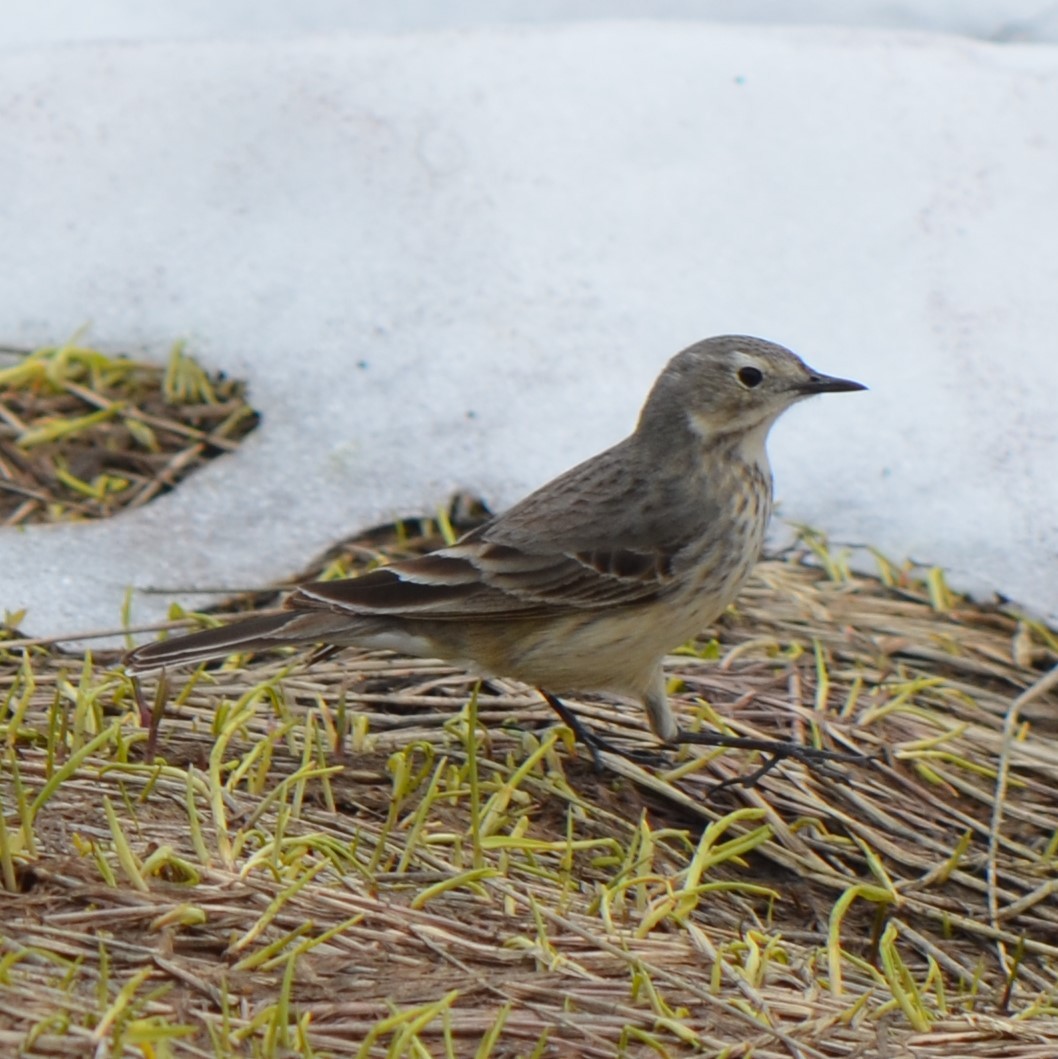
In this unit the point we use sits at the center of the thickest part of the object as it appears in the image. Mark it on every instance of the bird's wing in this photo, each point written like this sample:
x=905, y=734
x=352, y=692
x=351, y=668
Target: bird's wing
x=479, y=578
x=586, y=540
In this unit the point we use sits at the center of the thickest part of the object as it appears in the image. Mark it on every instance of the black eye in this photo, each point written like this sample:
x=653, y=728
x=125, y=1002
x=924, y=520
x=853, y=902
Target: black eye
x=750, y=376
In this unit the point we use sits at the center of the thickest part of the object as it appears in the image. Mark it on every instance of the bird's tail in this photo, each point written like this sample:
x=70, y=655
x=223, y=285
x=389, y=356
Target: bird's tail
x=256, y=633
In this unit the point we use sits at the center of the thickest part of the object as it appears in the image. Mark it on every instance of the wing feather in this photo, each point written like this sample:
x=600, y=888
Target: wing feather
x=610, y=532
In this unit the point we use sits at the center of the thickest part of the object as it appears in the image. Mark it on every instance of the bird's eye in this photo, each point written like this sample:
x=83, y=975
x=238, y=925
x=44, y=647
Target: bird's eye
x=750, y=376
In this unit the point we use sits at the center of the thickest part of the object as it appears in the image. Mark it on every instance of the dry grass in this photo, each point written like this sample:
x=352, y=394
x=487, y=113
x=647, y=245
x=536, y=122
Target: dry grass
x=369, y=856
x=85, y=435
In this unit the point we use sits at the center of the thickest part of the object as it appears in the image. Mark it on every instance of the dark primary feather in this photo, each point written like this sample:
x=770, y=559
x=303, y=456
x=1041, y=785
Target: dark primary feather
x=250, y=633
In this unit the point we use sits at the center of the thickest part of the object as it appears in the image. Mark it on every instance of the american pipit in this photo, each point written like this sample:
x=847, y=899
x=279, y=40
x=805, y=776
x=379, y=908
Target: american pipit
x=587, y=583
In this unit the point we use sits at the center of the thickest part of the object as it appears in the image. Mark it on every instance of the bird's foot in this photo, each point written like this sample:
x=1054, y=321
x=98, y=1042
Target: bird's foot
x=817, y=759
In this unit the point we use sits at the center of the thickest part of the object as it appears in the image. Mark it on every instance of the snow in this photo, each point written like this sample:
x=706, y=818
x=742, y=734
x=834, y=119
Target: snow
x=457, y=259
x=32, y=22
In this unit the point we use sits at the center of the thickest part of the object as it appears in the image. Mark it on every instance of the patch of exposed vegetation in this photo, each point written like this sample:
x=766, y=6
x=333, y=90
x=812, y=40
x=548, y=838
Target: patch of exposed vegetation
x=373, y=856
x=85, y=435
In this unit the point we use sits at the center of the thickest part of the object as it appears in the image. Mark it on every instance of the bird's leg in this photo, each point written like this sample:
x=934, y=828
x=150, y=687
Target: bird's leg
x=595, y=743
x=812, y=757
x=777, y=750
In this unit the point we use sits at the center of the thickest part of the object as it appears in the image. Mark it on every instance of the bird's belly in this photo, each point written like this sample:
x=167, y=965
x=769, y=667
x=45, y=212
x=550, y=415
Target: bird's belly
x=616, y=650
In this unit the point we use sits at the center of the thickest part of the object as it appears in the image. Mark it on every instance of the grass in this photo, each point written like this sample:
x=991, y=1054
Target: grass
x=85, y=435
x=372, y=856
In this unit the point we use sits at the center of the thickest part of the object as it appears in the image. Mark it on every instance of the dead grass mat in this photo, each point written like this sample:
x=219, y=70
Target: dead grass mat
x=85, y=435
x=367, y=857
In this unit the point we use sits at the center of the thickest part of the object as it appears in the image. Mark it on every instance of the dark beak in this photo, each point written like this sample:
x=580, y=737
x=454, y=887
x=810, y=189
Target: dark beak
x=818, y=383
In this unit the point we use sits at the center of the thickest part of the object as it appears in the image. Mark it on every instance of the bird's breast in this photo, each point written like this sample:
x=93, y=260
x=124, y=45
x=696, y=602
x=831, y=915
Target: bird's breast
x=716, y=566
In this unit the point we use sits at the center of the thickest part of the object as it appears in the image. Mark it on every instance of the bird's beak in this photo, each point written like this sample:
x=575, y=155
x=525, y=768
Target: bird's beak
x=818, y=383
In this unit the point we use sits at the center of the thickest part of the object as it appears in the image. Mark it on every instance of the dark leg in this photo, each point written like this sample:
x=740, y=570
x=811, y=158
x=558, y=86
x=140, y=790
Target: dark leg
x=812, y=757
x=593, y=742
x=572, y=721
x=776, y=749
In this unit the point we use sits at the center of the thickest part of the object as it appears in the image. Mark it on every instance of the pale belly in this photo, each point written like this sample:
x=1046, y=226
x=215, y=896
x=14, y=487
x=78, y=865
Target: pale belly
x=618, y=649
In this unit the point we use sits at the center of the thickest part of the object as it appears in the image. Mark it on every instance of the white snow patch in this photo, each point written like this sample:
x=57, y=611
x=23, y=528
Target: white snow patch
x=459, y=259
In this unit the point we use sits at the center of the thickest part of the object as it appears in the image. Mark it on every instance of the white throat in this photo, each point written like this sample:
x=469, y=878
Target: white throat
x=752, y=448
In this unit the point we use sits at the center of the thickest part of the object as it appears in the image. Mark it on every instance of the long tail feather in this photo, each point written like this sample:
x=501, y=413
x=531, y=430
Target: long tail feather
x=255, y=633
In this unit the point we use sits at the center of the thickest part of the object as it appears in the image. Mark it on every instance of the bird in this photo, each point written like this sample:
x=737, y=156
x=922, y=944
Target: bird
x=590, y=581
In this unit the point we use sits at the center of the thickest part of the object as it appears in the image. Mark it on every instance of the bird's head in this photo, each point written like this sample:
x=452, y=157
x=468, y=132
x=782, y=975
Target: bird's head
x=732, y=384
